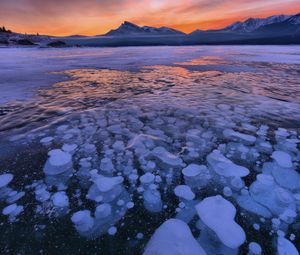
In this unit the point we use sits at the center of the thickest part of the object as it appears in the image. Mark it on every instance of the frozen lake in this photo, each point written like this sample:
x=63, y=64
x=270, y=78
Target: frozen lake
x=106, y=144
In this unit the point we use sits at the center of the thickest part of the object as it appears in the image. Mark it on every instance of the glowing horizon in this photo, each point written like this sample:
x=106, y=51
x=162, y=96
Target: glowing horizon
x=92, y=17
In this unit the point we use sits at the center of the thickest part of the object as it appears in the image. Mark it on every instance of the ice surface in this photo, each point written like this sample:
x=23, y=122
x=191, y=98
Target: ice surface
x=218, y=214
x=173, y=237
x=122, y=150
x=41, y=62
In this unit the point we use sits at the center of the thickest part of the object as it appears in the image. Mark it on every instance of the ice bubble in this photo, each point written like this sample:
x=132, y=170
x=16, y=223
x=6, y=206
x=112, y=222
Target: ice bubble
x=12, y=211
x=147, y=178
x=14, y=196
x=267, y=193
x=106, y=165
x=288, y=216
x=196, y=175
x=103, y=211
x=224, y=167
x=112, y=231
x=69, y=148
x=140, y=236
x=166, y=157
x=83, y=221
x=282, y=158
x=236, y=136
x=46, y=140
x=254, y=249
x=133, y=178
x=105, y=188
x=265, y=147
x=173, y=237
x=249, y=204
x=285, y=247
x=62, y=128
x=58, y=162
x=105, y=184
x=256, y=226
x=185, y=192
x=41, y=194
x=118, y=146
x=150, y=165
x=227, y=192
x=285, y=177
x=237, y=183
x=5, y=179
x=115, y=129
x=218, y=214
x=152, y=200
x=130, y=205
x=120, y=202
x=60, y=199
x=9, y=209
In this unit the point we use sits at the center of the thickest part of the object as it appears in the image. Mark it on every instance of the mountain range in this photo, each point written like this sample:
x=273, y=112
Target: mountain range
x=252, y=25
x=278, y=29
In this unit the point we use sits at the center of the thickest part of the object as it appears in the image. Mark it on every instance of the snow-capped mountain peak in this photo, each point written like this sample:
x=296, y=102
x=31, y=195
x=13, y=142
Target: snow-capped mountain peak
x=295, y=20
x=129, y=29
x=253, y=24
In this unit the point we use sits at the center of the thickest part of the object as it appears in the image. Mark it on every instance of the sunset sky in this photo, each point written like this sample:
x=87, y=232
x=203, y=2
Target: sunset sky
x=91, y=17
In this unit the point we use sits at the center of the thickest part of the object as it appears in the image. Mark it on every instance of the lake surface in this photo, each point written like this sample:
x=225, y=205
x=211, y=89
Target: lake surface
x=131, y=111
